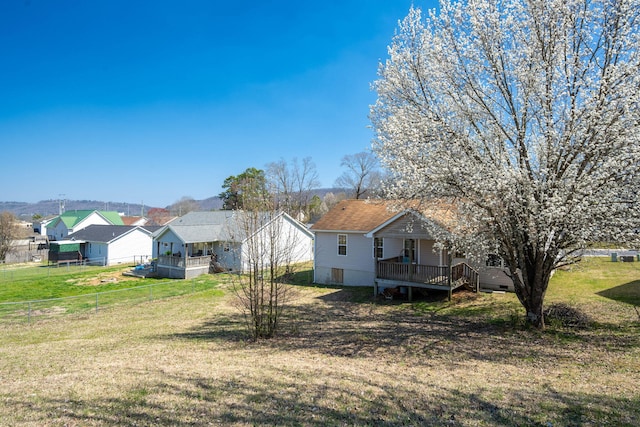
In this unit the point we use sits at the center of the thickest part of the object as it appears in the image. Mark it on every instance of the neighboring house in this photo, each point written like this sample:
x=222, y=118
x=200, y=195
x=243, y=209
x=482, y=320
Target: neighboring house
x=72, y=221
x=134, y=220
x=113, y=244
x=41, y=226
x=186, y=246
x=364, y=243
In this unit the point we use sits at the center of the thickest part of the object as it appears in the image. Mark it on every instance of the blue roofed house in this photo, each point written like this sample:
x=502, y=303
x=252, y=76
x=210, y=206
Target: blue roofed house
x=186, y=246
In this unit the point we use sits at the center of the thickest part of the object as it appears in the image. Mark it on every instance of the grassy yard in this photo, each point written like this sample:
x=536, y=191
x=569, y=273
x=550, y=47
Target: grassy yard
x=32, y=293
x=341, y=359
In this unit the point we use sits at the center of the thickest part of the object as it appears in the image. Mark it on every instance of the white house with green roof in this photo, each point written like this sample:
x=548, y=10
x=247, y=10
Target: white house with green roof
x=73, y=220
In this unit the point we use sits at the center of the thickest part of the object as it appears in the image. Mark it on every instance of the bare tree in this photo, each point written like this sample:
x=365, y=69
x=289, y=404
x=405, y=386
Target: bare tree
x=9, y=232
x=183, y=206
x=362, y=174
x=524, y=114
x=158, y=216
x=292, y=184
x=270, y=248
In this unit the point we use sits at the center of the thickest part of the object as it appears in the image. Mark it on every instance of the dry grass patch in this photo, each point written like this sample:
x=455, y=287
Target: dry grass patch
x=186, y=361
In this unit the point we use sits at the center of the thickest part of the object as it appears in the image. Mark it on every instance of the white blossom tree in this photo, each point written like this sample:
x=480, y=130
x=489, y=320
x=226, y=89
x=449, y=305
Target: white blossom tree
x=525, y=115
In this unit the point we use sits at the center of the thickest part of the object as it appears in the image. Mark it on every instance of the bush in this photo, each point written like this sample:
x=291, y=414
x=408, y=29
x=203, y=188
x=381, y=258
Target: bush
x=566, y=315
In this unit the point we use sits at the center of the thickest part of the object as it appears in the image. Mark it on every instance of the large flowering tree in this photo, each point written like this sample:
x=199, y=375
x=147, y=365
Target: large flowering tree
x=526, y=115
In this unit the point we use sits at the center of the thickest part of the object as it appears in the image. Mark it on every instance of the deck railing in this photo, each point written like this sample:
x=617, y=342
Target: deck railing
x=408, y=272
x=181, y=262
x=464, y=271
x=434, y=274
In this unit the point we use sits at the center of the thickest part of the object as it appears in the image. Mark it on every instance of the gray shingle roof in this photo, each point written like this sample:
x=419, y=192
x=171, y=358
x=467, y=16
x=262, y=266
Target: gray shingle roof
x=213, y=226
x=102, y=233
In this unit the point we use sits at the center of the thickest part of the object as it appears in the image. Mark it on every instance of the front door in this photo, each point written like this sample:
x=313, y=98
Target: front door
x=409, y=252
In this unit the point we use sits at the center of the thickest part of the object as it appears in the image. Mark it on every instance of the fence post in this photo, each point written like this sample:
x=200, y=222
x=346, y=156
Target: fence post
x=97, y=303
x=29, y=315
x=150, y=292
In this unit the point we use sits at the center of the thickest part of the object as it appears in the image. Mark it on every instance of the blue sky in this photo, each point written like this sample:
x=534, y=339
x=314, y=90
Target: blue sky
x=151, y=101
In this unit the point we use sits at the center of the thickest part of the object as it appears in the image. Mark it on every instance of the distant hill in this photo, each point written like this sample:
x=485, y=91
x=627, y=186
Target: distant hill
x=47, y=208
x=210, y=204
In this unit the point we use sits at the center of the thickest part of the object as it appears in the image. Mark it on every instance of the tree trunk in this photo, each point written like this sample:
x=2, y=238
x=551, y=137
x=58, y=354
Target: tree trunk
x=531, y=286
x=533, y=304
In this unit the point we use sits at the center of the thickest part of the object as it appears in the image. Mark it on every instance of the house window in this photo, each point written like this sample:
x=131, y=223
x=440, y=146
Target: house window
x=226, y=247
x=494, y=260
x=337, y=275
x=409, y=250
x=378, y=247
x=342, y=244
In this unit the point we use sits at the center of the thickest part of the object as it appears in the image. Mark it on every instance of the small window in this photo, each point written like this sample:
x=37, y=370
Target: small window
x=378, y=247
x=226, y=247
x=494, y=260
x=337, y=275
x=342, y=244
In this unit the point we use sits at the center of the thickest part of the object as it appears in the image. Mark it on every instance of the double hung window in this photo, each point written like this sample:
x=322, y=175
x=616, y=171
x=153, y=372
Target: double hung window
x=342, y=244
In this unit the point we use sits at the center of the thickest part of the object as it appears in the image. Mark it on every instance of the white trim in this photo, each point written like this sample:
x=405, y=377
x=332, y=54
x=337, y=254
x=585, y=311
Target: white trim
x=346, y=244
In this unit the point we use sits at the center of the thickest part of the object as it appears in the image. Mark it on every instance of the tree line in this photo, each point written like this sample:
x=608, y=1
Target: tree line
x=288, y=186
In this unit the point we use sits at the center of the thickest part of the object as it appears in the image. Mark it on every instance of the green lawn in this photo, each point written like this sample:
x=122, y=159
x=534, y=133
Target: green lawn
x=597, y=279
x=34, y=293
x=342, y=358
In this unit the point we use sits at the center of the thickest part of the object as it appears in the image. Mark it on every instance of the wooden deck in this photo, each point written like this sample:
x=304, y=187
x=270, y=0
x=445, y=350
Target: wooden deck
x=182, y=262
x=408, y=275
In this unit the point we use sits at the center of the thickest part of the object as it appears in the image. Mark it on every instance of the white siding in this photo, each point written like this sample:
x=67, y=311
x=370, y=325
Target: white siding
x=169, y=242
x=96, y=251
x=134, y=246
x=59, y=232
x=427, y=256
x=358, y=265
x=495, y=278
x=292, y=244
x=92, y=219
x=229, y=259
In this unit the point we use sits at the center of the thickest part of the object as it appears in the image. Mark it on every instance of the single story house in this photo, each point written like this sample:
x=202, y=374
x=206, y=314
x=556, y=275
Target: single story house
x=187, y=246
x=365, y=243
x=111, y=244
x=74, y=220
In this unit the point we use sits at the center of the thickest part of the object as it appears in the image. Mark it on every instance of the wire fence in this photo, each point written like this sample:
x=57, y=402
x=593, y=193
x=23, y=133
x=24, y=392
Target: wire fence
x=26, y=272
x=30, y=311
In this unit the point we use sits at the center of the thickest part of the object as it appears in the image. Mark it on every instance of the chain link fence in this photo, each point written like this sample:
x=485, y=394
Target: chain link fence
x=27, y=312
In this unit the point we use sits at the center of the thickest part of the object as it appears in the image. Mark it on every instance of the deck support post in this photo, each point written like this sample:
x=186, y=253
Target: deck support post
x=449, y=278
x=410, y=293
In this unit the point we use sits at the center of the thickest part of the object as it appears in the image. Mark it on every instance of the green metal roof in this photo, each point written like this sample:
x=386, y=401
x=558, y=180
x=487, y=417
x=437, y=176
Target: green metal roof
x=72, y=218
x=113, y=217
x=58, y=247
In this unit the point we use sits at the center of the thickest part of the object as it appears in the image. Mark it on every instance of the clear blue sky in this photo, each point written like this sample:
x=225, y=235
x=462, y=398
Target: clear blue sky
x=150, y=101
